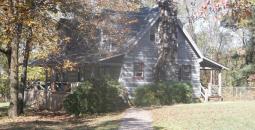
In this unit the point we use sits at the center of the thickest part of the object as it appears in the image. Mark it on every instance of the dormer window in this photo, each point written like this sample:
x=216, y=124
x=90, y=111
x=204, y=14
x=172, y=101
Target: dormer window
x=139, y=70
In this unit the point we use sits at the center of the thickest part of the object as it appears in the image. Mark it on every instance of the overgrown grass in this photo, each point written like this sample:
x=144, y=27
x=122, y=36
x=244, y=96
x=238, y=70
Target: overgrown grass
x=208, y=116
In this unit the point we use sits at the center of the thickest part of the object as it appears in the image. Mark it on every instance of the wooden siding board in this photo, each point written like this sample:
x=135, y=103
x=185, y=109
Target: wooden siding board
x=187, y=56
x=146, y=52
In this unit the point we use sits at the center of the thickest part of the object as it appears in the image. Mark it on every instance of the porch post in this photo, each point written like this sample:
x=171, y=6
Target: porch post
x=219, y=84
x=210, y=83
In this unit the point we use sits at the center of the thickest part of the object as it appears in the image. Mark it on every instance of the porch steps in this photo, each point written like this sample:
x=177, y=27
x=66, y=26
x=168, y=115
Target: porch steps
x=215, y=98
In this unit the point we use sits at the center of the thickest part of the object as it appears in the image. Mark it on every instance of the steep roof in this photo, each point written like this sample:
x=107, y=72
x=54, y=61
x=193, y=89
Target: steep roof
x=190, y=40
x=145, y=19
x=152, y=18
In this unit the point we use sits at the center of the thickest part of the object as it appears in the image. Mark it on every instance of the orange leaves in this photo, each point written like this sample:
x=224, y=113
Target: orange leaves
x=241, y=11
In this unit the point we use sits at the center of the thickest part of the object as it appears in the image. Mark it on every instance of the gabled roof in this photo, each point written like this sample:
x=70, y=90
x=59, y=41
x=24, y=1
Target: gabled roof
x=146, y=19
x=152, y=19
x=190, y=40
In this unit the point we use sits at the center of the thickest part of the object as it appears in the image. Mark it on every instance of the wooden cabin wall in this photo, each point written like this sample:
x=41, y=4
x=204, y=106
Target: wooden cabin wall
x=187, y=56
x=145, y=52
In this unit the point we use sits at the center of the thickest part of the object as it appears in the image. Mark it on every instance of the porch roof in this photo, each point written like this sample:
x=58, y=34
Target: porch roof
x=207, y=63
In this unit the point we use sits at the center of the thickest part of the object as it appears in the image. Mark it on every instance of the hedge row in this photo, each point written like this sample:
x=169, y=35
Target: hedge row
x=163, y=93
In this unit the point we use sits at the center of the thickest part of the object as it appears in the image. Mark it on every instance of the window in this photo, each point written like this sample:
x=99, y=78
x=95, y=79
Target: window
x=152, y=36
x=139, y=70
x=185, y=73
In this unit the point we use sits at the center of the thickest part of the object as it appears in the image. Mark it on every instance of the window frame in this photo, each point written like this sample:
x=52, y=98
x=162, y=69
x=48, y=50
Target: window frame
x=185, y=73
x=152, y=35
x=138, y=70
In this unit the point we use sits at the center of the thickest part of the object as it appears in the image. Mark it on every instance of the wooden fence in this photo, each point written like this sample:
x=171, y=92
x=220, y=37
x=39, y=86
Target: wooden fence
x=41, y=99
x=238, y=93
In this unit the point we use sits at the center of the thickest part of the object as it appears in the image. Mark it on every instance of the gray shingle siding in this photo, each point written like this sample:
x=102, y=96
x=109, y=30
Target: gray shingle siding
x=146, y=52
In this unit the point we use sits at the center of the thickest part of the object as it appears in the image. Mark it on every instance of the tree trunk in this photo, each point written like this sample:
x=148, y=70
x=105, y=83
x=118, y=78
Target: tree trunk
x=14, y=66
x=166, y=66
x=24, y=72
x=53, y=79
x=13, y=78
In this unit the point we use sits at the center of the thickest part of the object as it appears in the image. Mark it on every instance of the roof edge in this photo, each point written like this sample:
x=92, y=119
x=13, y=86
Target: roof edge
x=190, y=39
x=216, y=63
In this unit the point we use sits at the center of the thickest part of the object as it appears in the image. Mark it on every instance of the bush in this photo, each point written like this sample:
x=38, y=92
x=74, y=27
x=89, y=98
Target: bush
x=4, y=89
x=163, y=93
x=96, y=96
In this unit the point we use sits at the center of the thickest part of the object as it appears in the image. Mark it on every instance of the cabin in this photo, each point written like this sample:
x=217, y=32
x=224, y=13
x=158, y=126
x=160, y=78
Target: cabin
x=133, y=64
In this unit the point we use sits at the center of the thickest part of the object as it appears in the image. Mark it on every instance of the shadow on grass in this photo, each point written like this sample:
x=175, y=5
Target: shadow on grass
x=151, y=108
x=107, y=125
x=35, y=125
x=58, y=120
x=158, y=128
x=66, y=124
x=49, y=125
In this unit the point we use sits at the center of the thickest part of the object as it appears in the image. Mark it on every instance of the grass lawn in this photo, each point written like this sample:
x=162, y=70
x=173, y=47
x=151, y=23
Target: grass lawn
x=59, y=121
x=207, y=116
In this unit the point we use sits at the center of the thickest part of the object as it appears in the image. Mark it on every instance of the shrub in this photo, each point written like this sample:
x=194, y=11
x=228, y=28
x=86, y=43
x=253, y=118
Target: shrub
x=4, y=89
x=146, y=96
x=96, y=96
x=163, y=93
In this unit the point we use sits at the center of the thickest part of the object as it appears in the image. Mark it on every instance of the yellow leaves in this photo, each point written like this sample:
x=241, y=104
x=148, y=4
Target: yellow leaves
x=30, y=22
x=67, y=39
x=244, y=22
x=5, y=39
x=132, y=21
x=69, y=65
x=252, y=2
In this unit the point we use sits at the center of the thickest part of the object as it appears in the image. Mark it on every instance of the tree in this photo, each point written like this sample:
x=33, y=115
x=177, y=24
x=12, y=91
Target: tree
x=32, y=25
x=166, y=66
x=23, y=83
x=13, y=79
x=15, y=16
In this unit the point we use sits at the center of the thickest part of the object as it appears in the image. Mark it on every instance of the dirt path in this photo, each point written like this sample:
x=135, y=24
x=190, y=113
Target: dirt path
x=136, y=119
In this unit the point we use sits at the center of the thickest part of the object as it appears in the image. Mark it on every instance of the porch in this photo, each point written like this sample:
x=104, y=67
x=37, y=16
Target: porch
x=211, y=80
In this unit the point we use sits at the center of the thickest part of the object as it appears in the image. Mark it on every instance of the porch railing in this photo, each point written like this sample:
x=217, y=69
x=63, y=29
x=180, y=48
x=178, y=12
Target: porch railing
x=215, y=90
x=204, y=93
